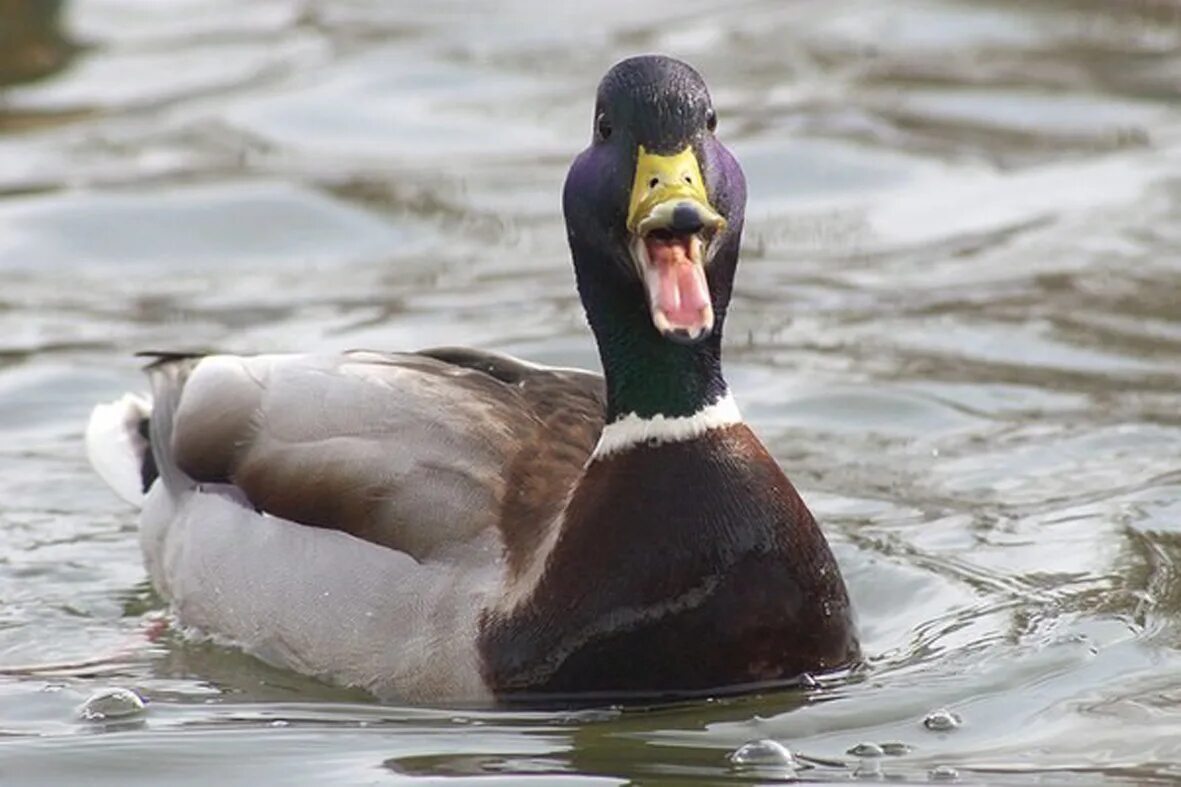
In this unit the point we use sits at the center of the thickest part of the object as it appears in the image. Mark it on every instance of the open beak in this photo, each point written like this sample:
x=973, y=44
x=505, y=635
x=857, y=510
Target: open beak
x=672, y=225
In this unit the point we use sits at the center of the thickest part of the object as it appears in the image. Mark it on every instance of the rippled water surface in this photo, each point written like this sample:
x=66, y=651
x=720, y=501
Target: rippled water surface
x=957, y=324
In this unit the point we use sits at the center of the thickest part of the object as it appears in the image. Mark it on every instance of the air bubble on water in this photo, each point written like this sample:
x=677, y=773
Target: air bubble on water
x=113, y=703
x=870, y=750
x=869, y=765
x=943, y=773
x=942, y=720
x=764, y=754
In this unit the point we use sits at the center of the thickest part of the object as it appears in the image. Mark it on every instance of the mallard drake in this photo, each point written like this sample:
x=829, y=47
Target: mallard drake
x=457, y=526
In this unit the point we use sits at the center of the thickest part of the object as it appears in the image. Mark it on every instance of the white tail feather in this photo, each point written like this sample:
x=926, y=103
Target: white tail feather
x=115, y=447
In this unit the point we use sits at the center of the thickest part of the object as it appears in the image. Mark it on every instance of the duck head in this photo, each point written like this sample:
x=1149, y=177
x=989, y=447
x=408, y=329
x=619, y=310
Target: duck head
x=654, y=213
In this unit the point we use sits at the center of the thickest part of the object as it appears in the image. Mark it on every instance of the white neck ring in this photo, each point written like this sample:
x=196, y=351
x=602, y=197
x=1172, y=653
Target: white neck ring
x=631, y=430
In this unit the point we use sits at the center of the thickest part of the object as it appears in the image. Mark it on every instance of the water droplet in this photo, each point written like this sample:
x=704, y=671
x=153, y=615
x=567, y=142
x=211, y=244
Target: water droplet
x=764, y=753
x=809, y=682
x=943, y=773
x=942, y=720
x=866, y=750
x=116, y=703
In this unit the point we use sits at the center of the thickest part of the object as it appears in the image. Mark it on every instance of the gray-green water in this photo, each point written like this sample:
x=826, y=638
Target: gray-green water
x=957, y=324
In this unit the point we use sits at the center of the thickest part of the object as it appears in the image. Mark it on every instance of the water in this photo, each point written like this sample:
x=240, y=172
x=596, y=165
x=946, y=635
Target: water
x=957, y=324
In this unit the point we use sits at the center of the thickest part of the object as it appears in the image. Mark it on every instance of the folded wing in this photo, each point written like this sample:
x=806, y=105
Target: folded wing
x=414, y=451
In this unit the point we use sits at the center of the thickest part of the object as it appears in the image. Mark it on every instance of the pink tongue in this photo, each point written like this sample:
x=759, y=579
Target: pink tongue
x=682, y=292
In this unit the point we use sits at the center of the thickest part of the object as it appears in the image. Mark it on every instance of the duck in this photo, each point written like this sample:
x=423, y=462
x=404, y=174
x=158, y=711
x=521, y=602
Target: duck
x=456, y=526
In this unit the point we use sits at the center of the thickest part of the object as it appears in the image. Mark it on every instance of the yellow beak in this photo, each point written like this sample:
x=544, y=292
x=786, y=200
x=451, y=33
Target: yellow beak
x=671, y=221
x=664, y=183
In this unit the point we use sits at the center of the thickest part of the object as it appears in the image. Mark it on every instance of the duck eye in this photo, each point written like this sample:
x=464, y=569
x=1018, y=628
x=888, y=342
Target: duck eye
x=602, y=127
x=711, y=120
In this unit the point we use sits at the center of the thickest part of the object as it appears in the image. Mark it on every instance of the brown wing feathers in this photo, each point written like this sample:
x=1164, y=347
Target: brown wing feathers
x=412, y=451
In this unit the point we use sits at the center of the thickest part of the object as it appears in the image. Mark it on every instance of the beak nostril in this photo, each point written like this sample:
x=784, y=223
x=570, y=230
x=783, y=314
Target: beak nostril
x=653, y=183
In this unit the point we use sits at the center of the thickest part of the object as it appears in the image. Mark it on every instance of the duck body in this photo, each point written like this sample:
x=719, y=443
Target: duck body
x=460, y=527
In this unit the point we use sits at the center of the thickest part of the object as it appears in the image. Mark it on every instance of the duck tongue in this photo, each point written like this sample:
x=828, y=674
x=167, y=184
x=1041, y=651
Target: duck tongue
x=677, y=285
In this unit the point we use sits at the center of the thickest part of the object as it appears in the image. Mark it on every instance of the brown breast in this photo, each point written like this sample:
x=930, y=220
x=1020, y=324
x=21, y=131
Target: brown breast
x=680, y=568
